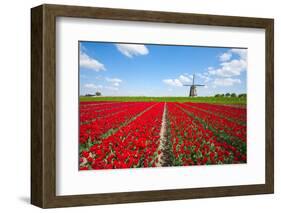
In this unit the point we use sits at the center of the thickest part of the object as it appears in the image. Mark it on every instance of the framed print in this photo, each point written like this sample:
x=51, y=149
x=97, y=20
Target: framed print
x=136, y=106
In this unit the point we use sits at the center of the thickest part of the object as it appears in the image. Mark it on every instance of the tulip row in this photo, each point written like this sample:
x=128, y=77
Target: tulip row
x=192, y=144
x=132, y=146
x=90, y=106
x=90, y=113
x=97, y=129
x=233, y=113
x=226, y=131
x=150, y=134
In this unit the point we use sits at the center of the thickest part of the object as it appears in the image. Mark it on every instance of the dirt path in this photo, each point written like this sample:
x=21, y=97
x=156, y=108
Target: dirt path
x=164, y=157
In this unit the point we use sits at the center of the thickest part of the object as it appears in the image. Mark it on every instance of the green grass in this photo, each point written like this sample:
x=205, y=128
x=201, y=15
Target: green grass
x=218, y=100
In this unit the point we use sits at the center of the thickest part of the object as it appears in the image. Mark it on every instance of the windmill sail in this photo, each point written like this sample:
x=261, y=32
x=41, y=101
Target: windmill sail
x=193, y=90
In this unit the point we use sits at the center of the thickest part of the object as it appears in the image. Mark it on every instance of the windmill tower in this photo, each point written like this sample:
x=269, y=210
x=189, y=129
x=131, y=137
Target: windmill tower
x=193, y=91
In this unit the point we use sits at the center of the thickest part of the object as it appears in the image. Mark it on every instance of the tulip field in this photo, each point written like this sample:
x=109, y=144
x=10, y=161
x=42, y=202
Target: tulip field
x=116, y=134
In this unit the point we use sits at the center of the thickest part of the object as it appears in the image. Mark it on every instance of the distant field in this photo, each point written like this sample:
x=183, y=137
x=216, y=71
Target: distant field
x=218, y=100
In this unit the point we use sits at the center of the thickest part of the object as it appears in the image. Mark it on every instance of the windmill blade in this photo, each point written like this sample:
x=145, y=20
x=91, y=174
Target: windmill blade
x=199, y=85
x=189, y=85
x=193, y=79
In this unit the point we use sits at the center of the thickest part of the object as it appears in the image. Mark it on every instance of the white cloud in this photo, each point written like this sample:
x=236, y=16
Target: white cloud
x=99, y=77
x=241, y=52
x=173, y=82
x=82, y=47
x=131, y=50
x=225, y=56
x=204, y=76
x=226, y=81
x=184, y=79
x=230, y=67
x=93, y=86
x=90, y=63
x=115, y=81
x=232, y=63
x=177, y=82
x=112, y=88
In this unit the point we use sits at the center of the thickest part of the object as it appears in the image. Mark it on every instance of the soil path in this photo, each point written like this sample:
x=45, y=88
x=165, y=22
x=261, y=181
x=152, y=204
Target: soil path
x=164, y=157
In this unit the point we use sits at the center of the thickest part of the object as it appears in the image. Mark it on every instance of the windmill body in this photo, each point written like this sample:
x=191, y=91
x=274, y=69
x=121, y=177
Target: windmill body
x=193, y=90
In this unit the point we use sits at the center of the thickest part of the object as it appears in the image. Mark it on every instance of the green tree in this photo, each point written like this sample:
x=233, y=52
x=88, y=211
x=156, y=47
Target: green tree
x=227, y=94
x=233, y=95
x=242, y=95
x=98, y=93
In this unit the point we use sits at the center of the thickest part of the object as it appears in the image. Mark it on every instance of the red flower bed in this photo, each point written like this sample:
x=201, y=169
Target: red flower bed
x=231, y=132
x=127, y=134
x=195, y=145
x=94, y=130
x=134, y=145
x=91, y=112
x=234, y=113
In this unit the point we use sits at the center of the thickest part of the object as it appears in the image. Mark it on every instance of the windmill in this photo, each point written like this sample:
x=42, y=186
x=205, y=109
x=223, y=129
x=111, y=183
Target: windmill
x=193, y=86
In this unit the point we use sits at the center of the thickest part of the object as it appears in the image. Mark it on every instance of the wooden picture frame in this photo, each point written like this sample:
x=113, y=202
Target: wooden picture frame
x=43, y=105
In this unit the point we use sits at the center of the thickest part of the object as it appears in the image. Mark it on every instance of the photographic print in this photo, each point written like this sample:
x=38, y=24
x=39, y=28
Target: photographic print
x=119, y=94
x=152, y=105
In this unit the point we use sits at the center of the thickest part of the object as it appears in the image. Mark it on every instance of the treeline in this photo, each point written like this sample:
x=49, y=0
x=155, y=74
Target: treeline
x=96, y=94
x=232, y=95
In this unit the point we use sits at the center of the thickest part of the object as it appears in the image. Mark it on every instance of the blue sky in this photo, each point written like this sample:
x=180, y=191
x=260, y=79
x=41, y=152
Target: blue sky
x=119, y=69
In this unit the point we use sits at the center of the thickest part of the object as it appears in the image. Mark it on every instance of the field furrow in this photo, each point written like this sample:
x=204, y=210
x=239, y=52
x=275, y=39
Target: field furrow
x=193, y=144
x=226, y=131
x=133, y=145
x=100, y=128
x=233, y=113
x=157, y=134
